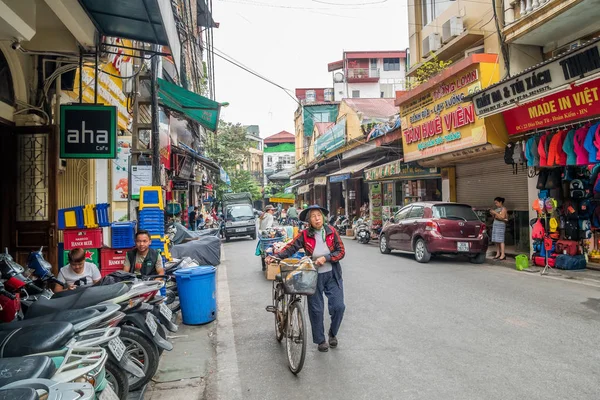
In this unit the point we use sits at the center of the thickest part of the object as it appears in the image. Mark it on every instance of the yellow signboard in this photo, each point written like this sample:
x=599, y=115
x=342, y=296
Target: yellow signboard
x=110, y=87
x=442, y=121
x=281, y=200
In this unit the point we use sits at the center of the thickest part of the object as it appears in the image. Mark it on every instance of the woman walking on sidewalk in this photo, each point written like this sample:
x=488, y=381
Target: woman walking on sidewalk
x=324, y=245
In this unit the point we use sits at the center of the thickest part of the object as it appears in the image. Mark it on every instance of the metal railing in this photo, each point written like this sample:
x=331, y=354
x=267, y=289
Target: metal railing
x=363, y=73
x=526, y=7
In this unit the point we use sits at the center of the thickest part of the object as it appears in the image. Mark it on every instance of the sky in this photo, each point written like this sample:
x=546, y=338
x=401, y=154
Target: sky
x=290, y=42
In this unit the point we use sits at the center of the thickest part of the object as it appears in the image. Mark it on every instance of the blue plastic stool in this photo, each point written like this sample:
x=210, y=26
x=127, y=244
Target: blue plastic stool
x=197, y=294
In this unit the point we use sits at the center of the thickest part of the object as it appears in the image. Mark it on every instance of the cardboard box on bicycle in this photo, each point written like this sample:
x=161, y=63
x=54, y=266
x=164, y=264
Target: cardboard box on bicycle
x=272, y=271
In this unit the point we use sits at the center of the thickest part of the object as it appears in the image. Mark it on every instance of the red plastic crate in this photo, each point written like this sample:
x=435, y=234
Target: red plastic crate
x=112, y=260
x=83, y=238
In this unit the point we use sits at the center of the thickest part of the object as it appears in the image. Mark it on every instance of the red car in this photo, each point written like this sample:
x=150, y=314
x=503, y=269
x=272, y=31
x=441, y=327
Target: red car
x=431, y=228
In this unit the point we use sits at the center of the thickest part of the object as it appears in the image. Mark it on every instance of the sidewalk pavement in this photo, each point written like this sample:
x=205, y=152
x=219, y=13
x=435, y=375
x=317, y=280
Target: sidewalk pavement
x=588, y=276
x=183, y=372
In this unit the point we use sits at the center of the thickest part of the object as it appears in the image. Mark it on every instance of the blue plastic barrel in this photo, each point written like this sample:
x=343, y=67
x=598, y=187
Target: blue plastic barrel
x=197, y=294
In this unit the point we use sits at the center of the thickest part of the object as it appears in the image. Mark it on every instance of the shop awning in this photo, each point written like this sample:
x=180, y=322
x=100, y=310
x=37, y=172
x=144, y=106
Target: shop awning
x=354, y=168
x=149, y=21
x=299, y=174
x=199, y=108
x=187, y=151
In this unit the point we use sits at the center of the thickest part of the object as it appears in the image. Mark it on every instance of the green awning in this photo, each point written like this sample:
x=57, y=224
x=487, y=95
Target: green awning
x=199, y=108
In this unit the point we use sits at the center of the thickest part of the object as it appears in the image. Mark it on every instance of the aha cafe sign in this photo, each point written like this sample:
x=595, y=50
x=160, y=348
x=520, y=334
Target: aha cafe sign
x=88, y=131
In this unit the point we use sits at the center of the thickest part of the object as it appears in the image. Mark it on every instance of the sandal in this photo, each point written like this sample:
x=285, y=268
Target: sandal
x=502, y=259
x=497, y=257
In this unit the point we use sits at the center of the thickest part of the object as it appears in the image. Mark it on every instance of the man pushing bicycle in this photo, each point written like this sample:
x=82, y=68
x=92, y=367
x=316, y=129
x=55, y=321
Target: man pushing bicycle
x=323, y=244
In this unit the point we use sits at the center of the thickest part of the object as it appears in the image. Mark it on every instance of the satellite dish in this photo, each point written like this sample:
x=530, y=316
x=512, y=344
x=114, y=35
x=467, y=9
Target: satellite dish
x=338, y=77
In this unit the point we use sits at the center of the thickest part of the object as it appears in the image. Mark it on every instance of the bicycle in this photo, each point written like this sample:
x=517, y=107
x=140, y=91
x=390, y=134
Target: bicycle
x=297, y=278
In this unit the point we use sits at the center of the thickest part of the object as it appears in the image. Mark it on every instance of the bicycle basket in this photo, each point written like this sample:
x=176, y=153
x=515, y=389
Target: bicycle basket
x=299, y=276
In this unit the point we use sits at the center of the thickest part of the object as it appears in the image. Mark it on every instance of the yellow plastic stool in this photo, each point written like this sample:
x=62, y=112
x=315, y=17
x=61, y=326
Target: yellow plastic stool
x=151, y=197
x=89, y=216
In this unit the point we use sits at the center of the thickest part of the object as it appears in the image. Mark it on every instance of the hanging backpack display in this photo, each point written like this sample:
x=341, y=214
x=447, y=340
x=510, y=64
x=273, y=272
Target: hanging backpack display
x=554, y=179
x=542, y=178
x=572, y=229
x=577, y=189
x=509, y=152
x=538, y=230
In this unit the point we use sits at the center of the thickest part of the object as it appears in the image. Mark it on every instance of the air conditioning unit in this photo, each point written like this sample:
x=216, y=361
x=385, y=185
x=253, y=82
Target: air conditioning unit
x=431, y=43
x=474, y=50
x=566, y=48
x=452, y=28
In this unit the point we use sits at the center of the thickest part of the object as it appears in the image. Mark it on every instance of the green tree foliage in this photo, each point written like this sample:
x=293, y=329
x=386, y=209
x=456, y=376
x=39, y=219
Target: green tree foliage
x=230, y=147
x=242, y=181
x=427, y=70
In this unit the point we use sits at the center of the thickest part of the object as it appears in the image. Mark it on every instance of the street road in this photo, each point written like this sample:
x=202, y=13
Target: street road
x=444, y=330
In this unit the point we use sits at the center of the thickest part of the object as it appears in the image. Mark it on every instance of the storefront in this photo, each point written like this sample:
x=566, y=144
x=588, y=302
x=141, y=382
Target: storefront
x=552, y=112
x=400, y=184
x=320, y=191
x=440, y=128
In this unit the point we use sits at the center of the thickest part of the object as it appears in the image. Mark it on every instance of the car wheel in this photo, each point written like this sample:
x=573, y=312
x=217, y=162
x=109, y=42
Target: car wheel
x=422, y=255
x=383, y=245
x=253, y=236
x=478, y=259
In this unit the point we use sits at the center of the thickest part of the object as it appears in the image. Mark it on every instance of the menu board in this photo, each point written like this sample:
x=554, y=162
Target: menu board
x=376, y=204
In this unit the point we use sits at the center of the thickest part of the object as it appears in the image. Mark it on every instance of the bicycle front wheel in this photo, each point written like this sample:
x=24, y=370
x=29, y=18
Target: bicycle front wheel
x=296, y=338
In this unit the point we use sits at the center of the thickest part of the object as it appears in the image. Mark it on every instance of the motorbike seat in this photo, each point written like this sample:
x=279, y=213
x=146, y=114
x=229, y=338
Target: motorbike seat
x=13, y=369
x=72, y=316
x=19, y=394
x=82, y=299
x=44, y=337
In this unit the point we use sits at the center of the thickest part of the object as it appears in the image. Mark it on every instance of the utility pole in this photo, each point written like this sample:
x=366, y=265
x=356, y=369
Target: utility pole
x=155, y=123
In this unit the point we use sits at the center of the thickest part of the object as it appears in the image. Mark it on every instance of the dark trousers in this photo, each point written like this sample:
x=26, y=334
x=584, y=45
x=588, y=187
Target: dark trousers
x=316, y=306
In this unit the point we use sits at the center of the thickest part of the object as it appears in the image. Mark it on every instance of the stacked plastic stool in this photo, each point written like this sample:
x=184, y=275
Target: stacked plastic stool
x=151, y=217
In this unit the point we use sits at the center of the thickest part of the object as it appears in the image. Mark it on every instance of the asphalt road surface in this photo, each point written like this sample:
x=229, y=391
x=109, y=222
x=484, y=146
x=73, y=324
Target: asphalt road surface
x=444, y=330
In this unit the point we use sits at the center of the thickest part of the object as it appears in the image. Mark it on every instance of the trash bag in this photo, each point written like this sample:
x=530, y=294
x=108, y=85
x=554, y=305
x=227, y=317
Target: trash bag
x=522, y=262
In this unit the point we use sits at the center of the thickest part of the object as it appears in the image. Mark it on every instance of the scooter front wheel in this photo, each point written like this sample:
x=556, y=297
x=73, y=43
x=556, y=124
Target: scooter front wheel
x=142, y=352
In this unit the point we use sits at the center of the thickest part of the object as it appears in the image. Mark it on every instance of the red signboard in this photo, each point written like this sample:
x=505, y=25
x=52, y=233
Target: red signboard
x=556, y=109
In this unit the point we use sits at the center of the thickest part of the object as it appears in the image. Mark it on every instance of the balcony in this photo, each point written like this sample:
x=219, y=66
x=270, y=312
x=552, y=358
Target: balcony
x=363, y=75
x=550, y=22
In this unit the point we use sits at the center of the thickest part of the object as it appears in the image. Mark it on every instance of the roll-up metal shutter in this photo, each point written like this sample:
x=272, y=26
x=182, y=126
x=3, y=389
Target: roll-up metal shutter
x=478, y=183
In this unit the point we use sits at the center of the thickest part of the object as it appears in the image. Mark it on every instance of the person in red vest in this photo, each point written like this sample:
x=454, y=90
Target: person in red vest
x=323, y=244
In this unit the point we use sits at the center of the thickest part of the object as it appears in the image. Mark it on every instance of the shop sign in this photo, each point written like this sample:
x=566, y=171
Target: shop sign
x=281, y=200
x=376, y=203
x=181, y=185
x=447, y=124
x=534, y=82
x=331, y=140
x=339, y=178
x=120, y=170
x=398, y=169
x=304, y=189
x=555, y=109
x=88, y=131
x=185, y=167
x=320, y=181
x=141, y=175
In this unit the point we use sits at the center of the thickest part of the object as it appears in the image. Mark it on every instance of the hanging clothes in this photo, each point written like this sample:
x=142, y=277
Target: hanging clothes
x=569, y=148
x=542, y=151
x=557, y=156
x=588, y=144
x=535, y=152
x=580, y=151
x=528, y=154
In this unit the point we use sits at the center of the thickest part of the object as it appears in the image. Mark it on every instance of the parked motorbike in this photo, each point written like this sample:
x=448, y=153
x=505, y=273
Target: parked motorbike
x=141, y=333
x=362, y=231
x=341, y=224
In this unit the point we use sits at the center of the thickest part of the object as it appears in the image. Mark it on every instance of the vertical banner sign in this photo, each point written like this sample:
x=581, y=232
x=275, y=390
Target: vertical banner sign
x=164, y=138
x=376, y=200
x=88, y=131
x=119, y=173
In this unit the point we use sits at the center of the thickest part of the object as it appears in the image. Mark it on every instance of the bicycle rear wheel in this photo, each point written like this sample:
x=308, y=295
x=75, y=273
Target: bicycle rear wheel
x=279, y=306
x=296, y=338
